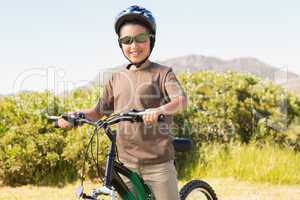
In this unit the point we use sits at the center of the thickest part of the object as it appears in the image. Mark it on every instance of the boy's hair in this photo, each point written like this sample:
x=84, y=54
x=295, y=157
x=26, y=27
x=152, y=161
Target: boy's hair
x=134, y=22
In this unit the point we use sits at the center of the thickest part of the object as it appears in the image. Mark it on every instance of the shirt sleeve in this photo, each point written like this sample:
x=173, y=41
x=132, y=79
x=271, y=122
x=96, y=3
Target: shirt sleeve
x=172, y=86
x=105, y=105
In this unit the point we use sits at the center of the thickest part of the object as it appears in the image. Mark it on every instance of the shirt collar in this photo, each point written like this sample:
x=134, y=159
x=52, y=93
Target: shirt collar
x=146, y=64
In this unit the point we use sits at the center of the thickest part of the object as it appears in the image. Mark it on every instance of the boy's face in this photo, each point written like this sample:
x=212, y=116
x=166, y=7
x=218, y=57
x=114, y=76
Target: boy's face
x=136, y=51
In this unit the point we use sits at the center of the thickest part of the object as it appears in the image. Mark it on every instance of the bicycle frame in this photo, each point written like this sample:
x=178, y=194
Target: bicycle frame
x=112, y=177
x=113, y=180
x=142, y=191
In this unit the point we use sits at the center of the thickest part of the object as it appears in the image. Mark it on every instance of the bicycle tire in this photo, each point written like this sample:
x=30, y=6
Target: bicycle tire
x=197, y=187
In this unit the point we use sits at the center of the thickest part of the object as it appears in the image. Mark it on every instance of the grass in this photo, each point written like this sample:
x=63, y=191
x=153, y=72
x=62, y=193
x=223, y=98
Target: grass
x=249, y=163
x=237, y=172
x=226, y=189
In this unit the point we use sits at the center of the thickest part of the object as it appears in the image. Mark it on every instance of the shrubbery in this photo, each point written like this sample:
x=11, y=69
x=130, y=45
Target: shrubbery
x=31, y=150
x=223, y=108
x=234, y=107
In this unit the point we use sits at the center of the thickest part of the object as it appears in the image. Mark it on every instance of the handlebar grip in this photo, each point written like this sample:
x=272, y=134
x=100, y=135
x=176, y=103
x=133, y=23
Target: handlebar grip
x=55, y=124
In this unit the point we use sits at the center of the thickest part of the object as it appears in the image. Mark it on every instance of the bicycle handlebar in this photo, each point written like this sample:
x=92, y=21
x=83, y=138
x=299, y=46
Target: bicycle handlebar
x=78, y=120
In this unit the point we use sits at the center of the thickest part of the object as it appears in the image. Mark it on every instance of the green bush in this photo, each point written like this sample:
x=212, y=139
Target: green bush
x=223, y=108
x=32, y=151
x=235, y=107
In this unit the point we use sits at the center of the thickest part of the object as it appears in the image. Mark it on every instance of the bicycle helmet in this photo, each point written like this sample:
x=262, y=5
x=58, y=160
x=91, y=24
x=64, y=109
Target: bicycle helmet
x=139, y=14
x=135, y=13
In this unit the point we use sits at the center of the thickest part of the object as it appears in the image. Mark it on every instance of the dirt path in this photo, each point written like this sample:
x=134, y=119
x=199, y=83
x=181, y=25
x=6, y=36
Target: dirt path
x=226, y=189
x=229, y=189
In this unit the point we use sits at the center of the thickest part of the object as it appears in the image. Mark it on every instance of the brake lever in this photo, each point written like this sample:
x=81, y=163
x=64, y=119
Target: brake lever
x=136, y=117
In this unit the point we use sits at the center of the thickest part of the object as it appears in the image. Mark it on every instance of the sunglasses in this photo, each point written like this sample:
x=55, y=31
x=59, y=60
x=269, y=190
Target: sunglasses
x=140, y=38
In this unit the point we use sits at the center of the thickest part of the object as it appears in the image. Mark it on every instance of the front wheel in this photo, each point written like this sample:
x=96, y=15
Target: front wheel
x=197, y=190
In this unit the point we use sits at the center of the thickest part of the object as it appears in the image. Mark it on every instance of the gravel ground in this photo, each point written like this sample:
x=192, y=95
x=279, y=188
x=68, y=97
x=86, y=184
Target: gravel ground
x=226, y=189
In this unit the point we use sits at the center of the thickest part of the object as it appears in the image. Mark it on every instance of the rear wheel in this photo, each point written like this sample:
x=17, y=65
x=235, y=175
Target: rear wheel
x=197, y=190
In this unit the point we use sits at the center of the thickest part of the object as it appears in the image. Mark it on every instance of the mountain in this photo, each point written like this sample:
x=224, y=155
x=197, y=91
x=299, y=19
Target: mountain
x=195, y=63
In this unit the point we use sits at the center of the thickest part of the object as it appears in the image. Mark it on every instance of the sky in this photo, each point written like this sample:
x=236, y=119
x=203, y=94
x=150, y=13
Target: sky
x=46, y=45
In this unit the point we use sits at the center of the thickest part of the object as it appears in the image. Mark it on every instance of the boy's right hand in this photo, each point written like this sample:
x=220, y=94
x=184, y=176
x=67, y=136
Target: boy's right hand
x=64, y=124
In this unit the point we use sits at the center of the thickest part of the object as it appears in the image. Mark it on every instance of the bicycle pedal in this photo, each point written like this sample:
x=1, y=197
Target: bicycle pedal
x=104, y=190
x=79, y=192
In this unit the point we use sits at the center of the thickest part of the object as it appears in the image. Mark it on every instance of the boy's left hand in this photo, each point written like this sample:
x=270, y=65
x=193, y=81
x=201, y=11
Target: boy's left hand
x=151, y=116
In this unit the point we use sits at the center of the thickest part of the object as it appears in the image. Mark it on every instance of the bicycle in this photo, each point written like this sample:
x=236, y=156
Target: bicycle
x=113, y=183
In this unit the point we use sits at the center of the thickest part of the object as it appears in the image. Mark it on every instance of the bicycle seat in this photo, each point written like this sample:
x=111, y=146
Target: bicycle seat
x=182, y=144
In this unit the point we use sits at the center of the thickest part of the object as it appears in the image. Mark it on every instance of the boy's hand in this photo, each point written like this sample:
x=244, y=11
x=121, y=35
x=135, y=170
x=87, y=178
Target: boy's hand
x=64, y=124
x=151, y=116
x=70, y=120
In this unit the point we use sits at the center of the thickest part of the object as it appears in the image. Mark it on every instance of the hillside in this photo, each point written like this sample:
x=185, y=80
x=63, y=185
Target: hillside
x=194, y=63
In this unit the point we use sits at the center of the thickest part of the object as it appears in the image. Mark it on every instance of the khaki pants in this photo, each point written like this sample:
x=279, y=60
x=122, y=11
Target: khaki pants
x=161, y=178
